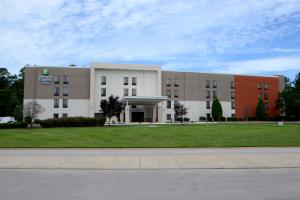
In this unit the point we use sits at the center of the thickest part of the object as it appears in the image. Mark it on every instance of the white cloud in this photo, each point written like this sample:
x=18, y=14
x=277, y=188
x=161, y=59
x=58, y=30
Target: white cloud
x=278, y=64
x=170, y=32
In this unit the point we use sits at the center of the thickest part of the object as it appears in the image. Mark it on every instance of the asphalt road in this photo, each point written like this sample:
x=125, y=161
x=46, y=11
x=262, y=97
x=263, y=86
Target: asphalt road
x=267, y=184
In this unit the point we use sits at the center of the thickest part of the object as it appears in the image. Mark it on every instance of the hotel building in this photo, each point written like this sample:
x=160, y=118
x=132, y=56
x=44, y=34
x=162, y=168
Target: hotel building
x=147, y=92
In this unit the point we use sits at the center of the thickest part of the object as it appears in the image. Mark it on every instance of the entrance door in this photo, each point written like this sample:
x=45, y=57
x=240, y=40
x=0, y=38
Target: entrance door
x=137, y=116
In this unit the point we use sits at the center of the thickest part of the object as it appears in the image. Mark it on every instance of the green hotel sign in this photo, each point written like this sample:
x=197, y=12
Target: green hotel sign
x=45, y=78
x=45, y=72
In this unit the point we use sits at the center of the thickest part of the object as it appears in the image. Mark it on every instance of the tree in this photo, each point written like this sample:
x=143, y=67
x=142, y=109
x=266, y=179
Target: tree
x=179, y=110
x=31, y=111
x=18, y=113
x=289, y=99
x=216, y=110
x=260, y=110
x=111, y=107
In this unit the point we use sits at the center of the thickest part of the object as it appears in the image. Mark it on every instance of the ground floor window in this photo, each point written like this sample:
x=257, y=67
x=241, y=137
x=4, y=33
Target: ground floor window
x=64, y=115
x=55, y=115
x=169, y=117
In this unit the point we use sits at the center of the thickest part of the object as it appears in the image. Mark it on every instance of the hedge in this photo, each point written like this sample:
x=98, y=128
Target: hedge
x=13, y=125
x=72, y=122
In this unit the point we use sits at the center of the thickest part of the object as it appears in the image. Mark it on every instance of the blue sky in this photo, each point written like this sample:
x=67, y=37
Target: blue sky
x=237, y=36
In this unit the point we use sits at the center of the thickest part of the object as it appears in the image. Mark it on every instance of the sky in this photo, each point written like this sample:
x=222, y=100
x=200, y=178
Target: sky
x=217, y=36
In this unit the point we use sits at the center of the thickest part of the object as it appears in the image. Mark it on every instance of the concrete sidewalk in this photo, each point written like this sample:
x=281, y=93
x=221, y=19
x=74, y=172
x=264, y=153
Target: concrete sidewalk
x=236, y=158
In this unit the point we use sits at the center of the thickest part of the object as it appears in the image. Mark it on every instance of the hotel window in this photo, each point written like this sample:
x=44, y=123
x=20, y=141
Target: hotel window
x=232, y=94
x=169, y=117
x=266, y=106
x=65, y=103
x=176, y=83
x=232, y=105
x=259, y=95
x=56, y=103
x=214, y=84
x=207, y=94
x=56, y=79
x=214, y=94
x=133, y=92
x=134, y=81
x=56, y=91
x=103, y=80
x=64, y=115
x=168, y=92
x=55, y=115
x=207, y=104
x=266, y=86
x=232, y=84
x=125, y=80
x=125, y=92
x=259, y=85
x=168, y=104
x=176, y=93
x=66, y=79
x=65, y=91
x=207, y=84
x=103, y=92
x=168, y=82
x=266, y=96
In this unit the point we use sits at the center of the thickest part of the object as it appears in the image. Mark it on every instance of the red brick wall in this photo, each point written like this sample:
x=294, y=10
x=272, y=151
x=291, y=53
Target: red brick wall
x=246, y=94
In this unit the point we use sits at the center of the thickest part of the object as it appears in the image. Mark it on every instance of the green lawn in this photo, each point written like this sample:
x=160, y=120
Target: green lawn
x=204, y=135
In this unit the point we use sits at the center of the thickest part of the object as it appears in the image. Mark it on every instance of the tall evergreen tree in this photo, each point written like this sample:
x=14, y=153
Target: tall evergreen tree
x=260, y=110
x=216, y=110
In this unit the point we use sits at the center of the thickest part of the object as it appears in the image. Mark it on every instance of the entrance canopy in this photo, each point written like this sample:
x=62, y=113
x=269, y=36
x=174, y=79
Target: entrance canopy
x=143, y=100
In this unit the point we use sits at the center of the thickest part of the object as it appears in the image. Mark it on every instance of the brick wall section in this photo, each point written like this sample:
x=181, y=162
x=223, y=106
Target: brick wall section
x=246, y=94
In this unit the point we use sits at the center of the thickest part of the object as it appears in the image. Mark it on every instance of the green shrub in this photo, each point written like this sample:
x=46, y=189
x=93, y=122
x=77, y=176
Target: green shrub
x=36, y=121
x=72, y=122
x=231, y=119
x=13, y=125
x=179, y=119
x=260, y=110
x=202, y=118
x=186, y=119
x=216, y=110
x=209, y=118
x=223, y=119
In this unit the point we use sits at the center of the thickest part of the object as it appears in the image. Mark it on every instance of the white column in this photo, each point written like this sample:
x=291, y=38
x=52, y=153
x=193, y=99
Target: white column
x=161, y=112
x=154, y=113
x=127, y=113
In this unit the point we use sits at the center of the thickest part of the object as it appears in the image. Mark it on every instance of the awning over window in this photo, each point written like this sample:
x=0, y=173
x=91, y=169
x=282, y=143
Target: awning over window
x=144, y=100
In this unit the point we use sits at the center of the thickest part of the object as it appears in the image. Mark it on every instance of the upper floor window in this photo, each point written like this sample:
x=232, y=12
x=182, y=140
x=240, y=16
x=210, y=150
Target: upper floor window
x=214, y=84
x=232, y=94
x=232, y=84
x=168, y=104
x=232, y=105
x=266, y=96
x=207, y=84
x=56, y=91
x=259, y=95
x=125, y=92
x=168, y=82
x=168, y=92
x=207, y=104
x=133, y=91
x=266, y=86
x=56, y=79
x=103, y=80
x=56, y=103
x=207, y=94
x=266, y=106
x=66, y=79
x=65, y=103
x=259, y=85
x=134, y=80
x=103, y=92
x=125, y=80
x=65, y=91
x=176, y=82
x=176, y=93
x=214, y=94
